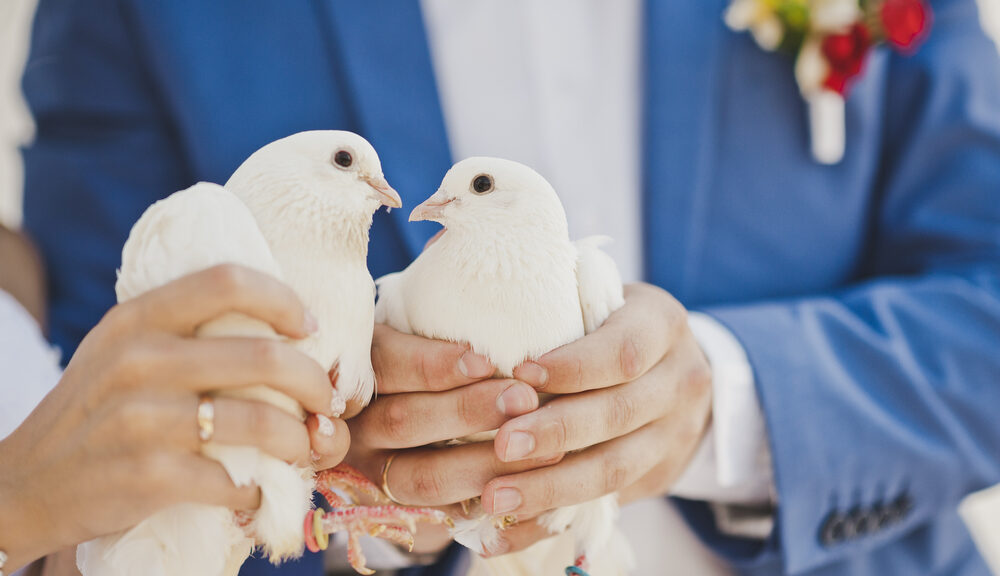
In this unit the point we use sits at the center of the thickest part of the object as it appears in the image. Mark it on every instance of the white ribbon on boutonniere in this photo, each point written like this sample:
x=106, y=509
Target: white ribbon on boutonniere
x=830, y=40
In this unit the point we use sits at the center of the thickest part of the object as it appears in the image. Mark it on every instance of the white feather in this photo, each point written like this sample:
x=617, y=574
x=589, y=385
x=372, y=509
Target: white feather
x=505, y=278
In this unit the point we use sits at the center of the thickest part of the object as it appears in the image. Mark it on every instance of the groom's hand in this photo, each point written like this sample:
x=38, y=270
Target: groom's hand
x=633, y=402
x=430, y=392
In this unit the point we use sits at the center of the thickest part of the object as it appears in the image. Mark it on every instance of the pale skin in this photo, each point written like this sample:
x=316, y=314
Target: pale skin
x=117, y=439
x=632, y=403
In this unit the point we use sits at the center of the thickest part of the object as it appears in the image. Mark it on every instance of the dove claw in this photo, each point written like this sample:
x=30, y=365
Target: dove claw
x=386, y=521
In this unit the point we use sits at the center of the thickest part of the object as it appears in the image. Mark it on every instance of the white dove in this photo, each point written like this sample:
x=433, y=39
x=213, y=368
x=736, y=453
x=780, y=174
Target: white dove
x=313, y=195
x=299, y=209
x=505, y=278
x=189, y=231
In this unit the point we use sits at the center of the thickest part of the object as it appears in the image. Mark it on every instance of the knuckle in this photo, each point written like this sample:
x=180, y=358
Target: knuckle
x=229, y=280
x=424, y=370
x=576, y=374
x=548, y=494
x=155, y=472
x=622, y=415
x=262, y=420
x=696, y=381
x=137, y=419
x=675, y=315
x=468, y=416
x=396, y=421
x=134, y=364
x=615, y=474
x=121, y=317
x=555, y=434
x=269, y=356
x=428, y=484
x=631, y=357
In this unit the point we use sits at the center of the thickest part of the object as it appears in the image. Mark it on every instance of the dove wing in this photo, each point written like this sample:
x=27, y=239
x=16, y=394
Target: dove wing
x=600, y=284
x=189, y=231
x=390, y=308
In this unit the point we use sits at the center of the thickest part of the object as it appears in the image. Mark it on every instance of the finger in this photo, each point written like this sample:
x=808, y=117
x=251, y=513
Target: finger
x=407, y=363
x=442, y=476
x=582, y=476
x=152, y=422
x=630, y=342
x=577, y=421
x=251, y=423
x=200, y=480
x=419, y=418
x=520, y=536
x=237, y=363
x=330, y=438
x=184, y=304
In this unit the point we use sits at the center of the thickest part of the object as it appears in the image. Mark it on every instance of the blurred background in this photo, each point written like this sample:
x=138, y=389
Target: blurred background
x=982, y=511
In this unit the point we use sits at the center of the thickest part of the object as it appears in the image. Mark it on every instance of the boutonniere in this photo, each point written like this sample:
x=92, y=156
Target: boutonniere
x=829, y=40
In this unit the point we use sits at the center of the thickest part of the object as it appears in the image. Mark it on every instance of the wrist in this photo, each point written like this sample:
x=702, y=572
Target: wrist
x=24, y=535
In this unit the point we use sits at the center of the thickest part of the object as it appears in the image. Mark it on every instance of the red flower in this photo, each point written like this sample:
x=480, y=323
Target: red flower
x=845, y=53
x=905, y=22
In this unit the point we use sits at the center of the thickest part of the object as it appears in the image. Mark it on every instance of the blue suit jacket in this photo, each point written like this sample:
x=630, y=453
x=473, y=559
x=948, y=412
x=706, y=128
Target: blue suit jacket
x=867, y=294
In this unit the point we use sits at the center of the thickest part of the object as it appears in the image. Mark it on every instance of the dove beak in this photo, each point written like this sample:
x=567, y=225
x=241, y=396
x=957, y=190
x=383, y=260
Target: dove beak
x=432, y=208
x=385, y=193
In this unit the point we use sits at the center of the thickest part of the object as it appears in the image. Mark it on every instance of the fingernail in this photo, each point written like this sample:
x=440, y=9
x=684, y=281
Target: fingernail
x=311, y=324
x=519, y=445
x=532, y=374
x=501, y=547
x=506, y=500
x=337, y=404
x=472, y=365
x=516, y=400
x=315, y=455
x=325, y=426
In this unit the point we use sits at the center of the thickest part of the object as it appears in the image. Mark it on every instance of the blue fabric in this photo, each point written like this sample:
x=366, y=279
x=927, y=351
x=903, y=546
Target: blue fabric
x=867, y=294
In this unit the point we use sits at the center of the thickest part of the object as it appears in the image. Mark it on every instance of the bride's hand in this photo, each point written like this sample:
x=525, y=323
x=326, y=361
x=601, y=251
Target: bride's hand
x=117, y=439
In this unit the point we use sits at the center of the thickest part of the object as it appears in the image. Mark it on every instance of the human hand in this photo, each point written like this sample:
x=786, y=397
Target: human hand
x=429, y=392
x=117, y=439
x=21, y=273
x=633, y=400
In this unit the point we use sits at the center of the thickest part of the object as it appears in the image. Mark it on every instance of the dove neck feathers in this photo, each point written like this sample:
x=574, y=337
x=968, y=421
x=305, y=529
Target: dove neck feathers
x=321, y=230
x=505, y=253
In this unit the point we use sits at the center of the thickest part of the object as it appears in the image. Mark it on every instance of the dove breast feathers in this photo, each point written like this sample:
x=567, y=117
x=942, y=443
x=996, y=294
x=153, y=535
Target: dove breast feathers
x=507, y=314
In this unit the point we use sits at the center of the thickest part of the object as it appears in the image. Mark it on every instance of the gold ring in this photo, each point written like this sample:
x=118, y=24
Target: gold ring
x=385, y=477
x=206, y=418
x=505, y=522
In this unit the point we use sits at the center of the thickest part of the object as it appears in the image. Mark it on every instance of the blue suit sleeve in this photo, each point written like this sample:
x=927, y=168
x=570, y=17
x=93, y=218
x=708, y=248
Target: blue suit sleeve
x=883, y=396
x=104, y=151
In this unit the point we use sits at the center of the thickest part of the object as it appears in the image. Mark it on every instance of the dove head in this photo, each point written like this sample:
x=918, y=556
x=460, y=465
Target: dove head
x=494, y=196
x=324, y=175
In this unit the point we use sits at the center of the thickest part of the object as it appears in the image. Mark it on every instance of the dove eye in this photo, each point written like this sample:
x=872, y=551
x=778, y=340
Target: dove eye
x=482, y=184
x=343, y=158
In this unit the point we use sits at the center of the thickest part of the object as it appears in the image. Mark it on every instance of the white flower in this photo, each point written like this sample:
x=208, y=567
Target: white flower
x=811, y=67
x=759, y=17
x=833, y=15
